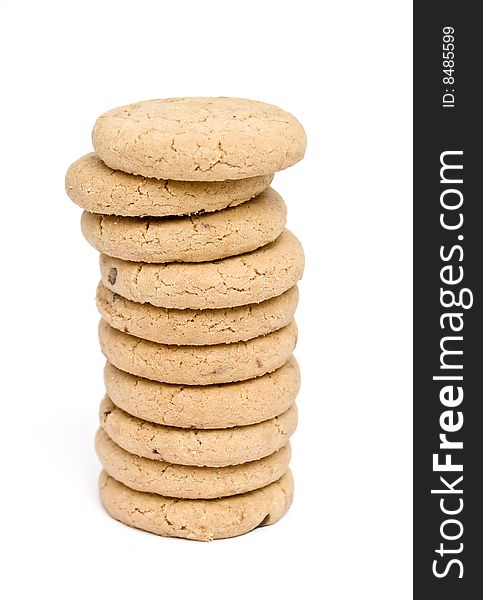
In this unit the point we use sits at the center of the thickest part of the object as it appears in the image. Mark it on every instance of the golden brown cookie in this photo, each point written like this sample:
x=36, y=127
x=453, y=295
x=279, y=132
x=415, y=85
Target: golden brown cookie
x=234, y=281
x=198, y=365
x=205, y=406
x=196, y=327
x=197, y=238
x=181, y=481
x=98, y=189
x=198, y=447
x=202, y=520
x=199, y=139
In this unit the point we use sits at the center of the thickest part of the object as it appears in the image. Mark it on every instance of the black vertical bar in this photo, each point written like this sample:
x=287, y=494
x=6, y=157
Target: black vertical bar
x=448, y=118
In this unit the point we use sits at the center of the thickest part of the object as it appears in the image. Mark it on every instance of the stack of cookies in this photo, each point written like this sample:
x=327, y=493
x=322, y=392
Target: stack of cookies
x=197, y=297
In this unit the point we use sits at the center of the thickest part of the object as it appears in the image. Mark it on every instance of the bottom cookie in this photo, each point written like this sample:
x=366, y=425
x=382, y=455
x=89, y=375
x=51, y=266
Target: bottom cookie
x=202, y=520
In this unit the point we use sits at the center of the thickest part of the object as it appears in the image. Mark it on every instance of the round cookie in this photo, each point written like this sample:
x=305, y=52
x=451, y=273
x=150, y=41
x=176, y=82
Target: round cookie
x=199, y=139
x=198, y=365
x=95, y=187
x=199, y=238
x=202, y=520
x=205, y=407
x=197, y=447
x=181, y=481
x=196, y=327
x=229, y=282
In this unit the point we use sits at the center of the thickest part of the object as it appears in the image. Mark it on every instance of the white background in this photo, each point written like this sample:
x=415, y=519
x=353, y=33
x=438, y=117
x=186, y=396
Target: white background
x=344, y=69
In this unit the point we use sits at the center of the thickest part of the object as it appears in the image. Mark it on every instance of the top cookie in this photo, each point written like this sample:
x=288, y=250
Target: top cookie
x=199, y=139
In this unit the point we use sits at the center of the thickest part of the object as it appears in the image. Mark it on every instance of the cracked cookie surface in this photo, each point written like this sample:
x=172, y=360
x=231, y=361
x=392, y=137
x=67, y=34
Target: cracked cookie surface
x=199, y=139
x=196, y=327
x=196, y=238
x=182, y=481
x=205, y=407
x=202, y=520
x=235, y=281
x=198, y=365
x=95, y=187
x=198, y=447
